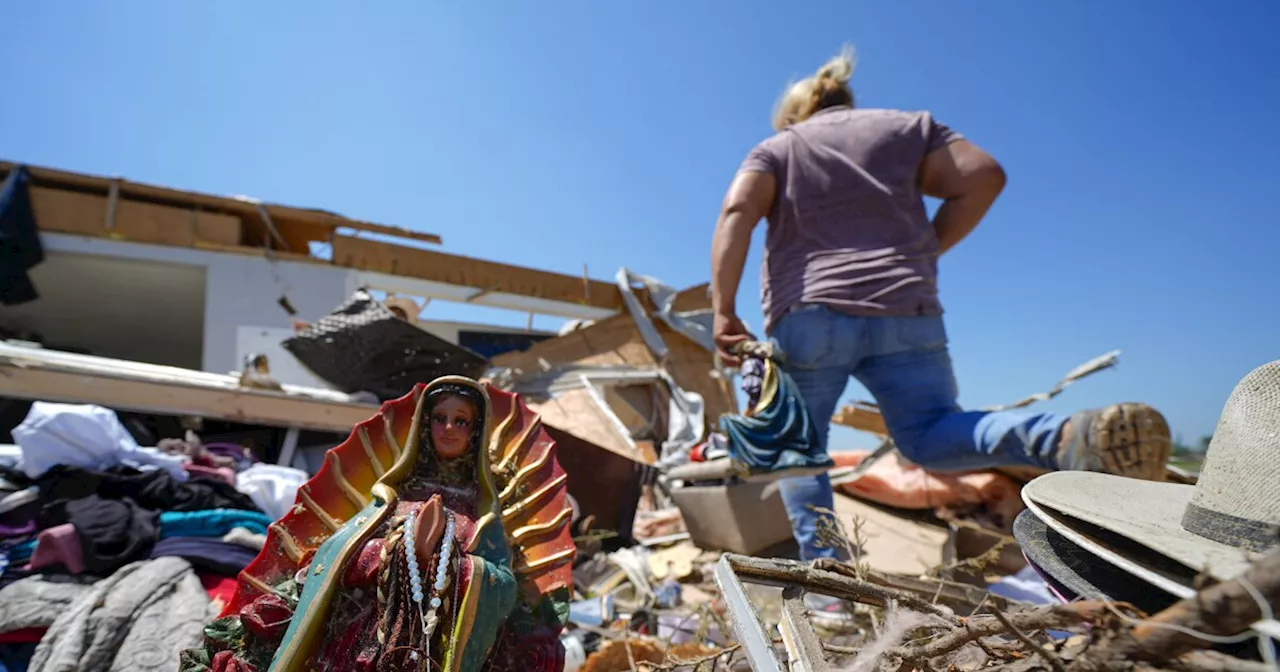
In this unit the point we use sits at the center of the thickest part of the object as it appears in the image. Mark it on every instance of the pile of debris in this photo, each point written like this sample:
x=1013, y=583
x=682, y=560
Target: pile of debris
x=680, y=608
x=936, y=579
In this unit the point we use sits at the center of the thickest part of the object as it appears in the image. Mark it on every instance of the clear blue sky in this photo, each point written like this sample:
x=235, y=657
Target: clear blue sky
x=1139, y=137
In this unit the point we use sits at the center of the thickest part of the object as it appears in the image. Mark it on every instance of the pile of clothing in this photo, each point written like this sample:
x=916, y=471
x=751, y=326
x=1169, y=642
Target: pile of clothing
x=113, y=556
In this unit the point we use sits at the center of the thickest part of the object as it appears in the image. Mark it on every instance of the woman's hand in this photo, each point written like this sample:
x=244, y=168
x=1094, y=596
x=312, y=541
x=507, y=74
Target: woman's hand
x=729, y=331
x=430, y=527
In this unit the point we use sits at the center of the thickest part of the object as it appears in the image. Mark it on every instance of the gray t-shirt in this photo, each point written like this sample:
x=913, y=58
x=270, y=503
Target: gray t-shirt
x=849, y=228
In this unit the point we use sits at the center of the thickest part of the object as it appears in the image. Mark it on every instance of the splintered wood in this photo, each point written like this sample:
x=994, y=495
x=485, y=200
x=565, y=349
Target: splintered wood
x=616, y=341
x=861, y=416
x=1108, y=637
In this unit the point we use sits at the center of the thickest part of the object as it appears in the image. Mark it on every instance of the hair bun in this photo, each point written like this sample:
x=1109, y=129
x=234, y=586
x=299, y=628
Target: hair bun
x=827, y=87
x=839, y=69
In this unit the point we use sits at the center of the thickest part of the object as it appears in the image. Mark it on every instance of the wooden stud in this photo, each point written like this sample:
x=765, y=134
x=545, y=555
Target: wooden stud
x=113, y=199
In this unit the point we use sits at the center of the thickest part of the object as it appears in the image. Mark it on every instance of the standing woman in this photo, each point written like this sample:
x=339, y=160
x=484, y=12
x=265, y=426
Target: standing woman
x=849, y=288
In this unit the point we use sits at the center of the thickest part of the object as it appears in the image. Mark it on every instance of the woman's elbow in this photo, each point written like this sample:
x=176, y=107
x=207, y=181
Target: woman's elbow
x=991, y=178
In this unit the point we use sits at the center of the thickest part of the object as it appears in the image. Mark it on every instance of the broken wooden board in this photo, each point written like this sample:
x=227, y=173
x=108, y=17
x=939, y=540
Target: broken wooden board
x=130, y=220
x=616, y=341
x=576, y=412
x=862, y=416
x=296, y=227
x=46, y=375
x=484, y=276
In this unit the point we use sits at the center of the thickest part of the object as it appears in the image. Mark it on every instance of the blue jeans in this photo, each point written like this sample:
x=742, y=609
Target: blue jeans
x=903, y=362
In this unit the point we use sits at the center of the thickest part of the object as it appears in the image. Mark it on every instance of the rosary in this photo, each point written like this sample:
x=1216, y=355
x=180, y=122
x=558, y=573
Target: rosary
x=427, y=615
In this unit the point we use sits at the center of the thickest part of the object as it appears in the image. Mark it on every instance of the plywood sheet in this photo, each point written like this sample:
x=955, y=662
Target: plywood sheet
x=697, y=297
x=69, y=211
x=896, y=542
x=577, y=413
x=616, y=341
x=217, y=229
x=78, y=213
x=150, y=223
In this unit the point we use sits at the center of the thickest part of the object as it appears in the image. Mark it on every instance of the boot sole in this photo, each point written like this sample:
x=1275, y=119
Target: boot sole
x=1131, y=440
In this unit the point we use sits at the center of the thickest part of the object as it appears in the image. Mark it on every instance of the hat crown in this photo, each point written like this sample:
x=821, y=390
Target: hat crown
x=1237, y=498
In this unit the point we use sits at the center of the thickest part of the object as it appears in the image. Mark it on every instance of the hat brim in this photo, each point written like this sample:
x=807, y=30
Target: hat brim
x=1074, y=572
x=1146, y=512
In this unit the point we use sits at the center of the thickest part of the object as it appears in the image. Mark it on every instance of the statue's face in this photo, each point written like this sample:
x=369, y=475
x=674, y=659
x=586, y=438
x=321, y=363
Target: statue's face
x=452, y=421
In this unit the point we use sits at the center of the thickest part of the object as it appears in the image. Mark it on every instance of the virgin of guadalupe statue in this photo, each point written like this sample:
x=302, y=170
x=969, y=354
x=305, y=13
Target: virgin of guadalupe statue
x=775, y=434
x=436, y=537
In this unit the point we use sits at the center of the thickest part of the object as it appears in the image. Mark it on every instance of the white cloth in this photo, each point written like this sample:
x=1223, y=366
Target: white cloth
x=272, y=487
x=10, y=455
x=87, y=436
x=685, y=425
x=1026, y=586
x=20, y=498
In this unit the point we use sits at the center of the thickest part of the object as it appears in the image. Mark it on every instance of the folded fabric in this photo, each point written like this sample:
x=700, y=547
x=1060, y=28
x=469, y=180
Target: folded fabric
x=58, y=547
x=18, y=499
x=216, y=523
x=19, y=530
x=87, y=436
x=10, y=455
x=16, y=656
x=24, y=636
x=36, y=600
x=273, y=488
x=225, y=474
x=242, y=537
x=211, y=523
x=206, y=555
x=243, y=456
x=112, y=532
x=221, y=589
x=138, y=619
x=19, y=552
x=155, y=490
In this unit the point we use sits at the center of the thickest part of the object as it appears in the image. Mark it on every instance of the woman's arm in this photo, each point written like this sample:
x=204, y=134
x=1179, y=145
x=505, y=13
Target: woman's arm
x=969, y=180
x=749, y=199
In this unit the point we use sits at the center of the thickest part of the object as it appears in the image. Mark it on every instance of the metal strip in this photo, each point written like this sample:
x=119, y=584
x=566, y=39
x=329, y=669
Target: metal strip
x=803, y=647
x=598, y=398
x=271, y=228
x=746, y=624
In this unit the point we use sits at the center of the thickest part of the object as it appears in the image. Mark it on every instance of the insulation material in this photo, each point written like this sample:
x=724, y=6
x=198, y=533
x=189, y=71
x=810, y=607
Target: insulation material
x=908, y=486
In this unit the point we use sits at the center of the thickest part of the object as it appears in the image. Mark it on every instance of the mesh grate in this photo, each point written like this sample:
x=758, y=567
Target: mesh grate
x=363, y=346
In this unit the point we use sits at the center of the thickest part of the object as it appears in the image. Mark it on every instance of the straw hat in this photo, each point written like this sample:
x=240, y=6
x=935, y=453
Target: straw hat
x=409, y=307
x=1218, y=526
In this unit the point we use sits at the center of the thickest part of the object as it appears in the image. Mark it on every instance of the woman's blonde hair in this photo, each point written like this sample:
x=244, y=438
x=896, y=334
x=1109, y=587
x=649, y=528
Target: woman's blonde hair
x=827, y=87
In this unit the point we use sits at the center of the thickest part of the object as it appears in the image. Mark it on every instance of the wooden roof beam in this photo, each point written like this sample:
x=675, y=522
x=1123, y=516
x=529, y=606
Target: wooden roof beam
x=489, y=277
x=247, y=209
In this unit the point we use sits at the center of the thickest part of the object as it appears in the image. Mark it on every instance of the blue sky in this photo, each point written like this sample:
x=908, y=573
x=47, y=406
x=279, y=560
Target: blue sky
x=1139, y=138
